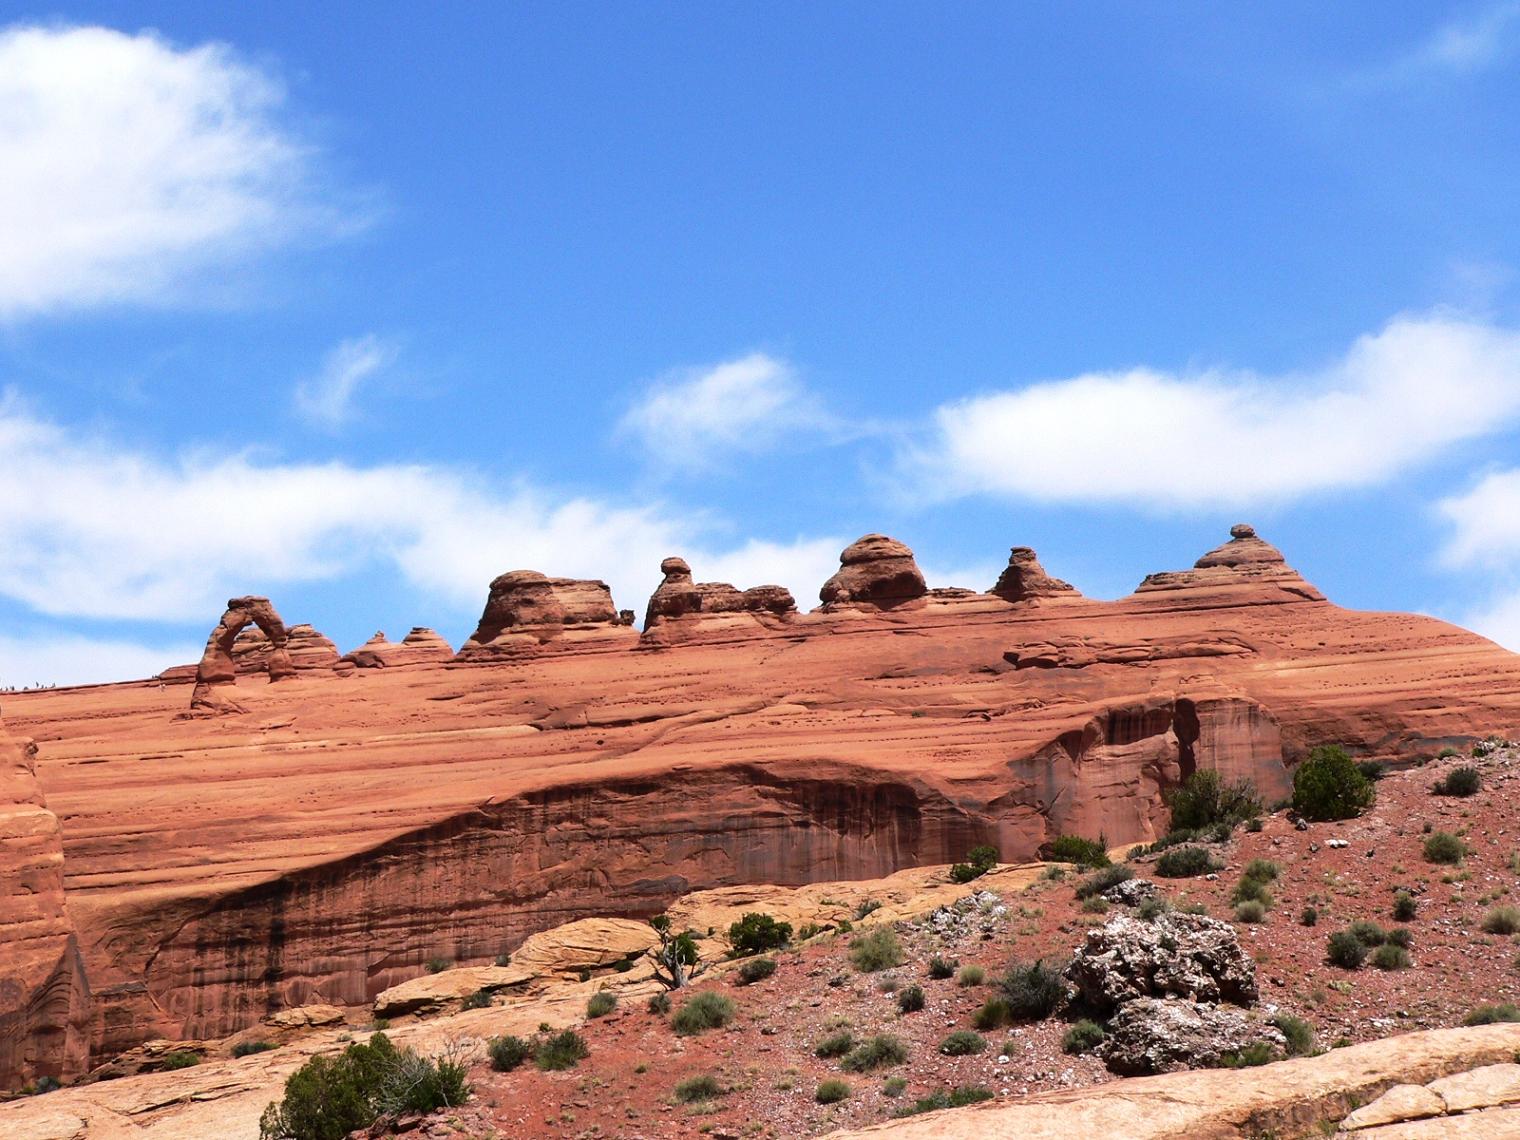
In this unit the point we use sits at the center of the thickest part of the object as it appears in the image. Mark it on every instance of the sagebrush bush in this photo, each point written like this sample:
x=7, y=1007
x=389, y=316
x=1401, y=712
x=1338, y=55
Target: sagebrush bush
x=868, y=907
x=836, y=1044
x=1346, y=950
x=1252, y=890
x=1368, y=933
x=1298, y=1033
x=1075, y=849
x=894, y=1086
x=181, y=1059
x=601, y=1004
x=832, y=1091
x=507, y=1053
x=659, y=1004
x=875, y=1053
x=1100, y=881
x=699, y=1088
x=963, y=1043
x=756, y=970
x=1401, y=936
x=1083, y=1037
x=978, y=862
x=1328, y=786
x=1205, y=800
x=910, y=999
x=755, y=933
x=703, y=1011
x=1309, y=916
x=1404, y=906
x=248, y=1048
x=878, y=949
x=437, y=965
x=1390, y=957
x=941, y=968
x=1444, y=847
x=1185, y=862
x=1256, y=1053
x=970, y=976
x=1095, y=905
x=1492, y=1014
x=1033, y=991
x=1501, y=920
x=955, y=1098
x=1463, y=781
x=1152, y=908
x=993, y=1013
x=480, y=999
x=1250, y=912
x=560, y=1051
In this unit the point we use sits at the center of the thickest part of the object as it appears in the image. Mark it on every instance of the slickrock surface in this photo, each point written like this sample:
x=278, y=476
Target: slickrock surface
x=319, y=839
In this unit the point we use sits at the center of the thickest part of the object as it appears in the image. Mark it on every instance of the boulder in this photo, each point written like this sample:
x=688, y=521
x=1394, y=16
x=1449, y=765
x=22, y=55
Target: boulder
x=1131, y=892
x=1180, y=955
x=1155, y=1035
x=1025, y=579
x=526, y=610
x=874, y=571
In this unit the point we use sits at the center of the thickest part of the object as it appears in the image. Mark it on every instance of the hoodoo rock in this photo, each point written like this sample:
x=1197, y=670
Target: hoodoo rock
x=526, y=611
x=218, y=666
x=221, y=872
x=1025, y=579
x=681, y=609
x=44, y=1003
x=874, y=571
x=418, y=647
x=675, y=596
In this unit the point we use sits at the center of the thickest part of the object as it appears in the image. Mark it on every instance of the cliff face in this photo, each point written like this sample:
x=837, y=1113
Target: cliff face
x=321, y=837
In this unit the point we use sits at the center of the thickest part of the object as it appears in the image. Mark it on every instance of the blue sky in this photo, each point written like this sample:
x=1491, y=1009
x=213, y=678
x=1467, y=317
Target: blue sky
x=361, y=307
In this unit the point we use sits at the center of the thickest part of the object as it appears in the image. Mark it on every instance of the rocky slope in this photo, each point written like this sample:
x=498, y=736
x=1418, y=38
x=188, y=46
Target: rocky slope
x=317, y=833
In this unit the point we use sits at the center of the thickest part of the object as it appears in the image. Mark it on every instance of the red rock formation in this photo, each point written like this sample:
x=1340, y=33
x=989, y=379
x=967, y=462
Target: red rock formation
x=44, y=1003
x=218, y=666
x=304, y=647
x=681, y=610
x=324, y=846
x=526, y=611
x=1025, y=579
x=874, y=571
x=418, y=647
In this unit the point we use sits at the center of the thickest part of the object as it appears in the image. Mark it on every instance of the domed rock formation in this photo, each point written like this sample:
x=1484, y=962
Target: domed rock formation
x=1025, y=579
x=527, y=610
x=417, y=647
x=305, y=647
x=874, y=570
x=218, y=667
x=1247, y=570
x=680, y=608
x=44, y=1004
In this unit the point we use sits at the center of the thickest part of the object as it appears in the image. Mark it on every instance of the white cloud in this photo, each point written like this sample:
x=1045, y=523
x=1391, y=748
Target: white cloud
x=699, y=417
x=1474, y=43
x=327, y=399
x=89, y=529
x=68, y=659
x=1485, y=522
x=802, y=566
x=132, y=166
x=1499, y=621
x=1218, y=439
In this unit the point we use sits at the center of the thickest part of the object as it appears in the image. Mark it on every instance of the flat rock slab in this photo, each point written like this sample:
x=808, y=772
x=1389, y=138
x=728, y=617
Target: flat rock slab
x=1400, y=1103
x=1488, y=1087
x=1491, y=1124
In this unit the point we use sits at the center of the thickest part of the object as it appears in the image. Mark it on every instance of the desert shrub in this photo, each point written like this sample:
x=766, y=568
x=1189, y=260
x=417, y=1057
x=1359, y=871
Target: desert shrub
x=1298, y=1033
x=1075, y=849
x=507, y=1053
x=562, y=1050
x=659, y=1004
x=181, y=1059
x=894, y=1086
x=1463, y=781
x=756, y=970
x=1205, y=800
x=1185, y=862
x=832, y=1091
x=1401, y=936
x=1492, y=1014
x=1152, y=908
x=941, y=968
x=836, y=1044
x=1309, y=916
x=1501, y=920
x=993, y=1013
x=1390, y=957
x=962, y=1043
x=875, y=1053
x=703, y=1011
x=480, y=999
x=1095, y=905
x=503, y=959
x=1444, y=847
x=867, y=907
x=910, y=999
x=1252, y=890
x=419, y=1084
x=1083, y=1037
x=756, y=933
x=1256, y=1053
x=1447, y=753
x=1033, y=991
x=1372, y=769
x=1264, y=870
x=1100, y=881
x=979, y=860
x=878, y=949
x=955, y=1098
x=1250, y=911
x=1345, y=950
x=437, y=965
x=1404, y=906
x=1368, y=933
x=248, y=1048
x=699, y=1088
x=1327, y=785
x=970, y=976
x=809, y=930
x=601, y=1004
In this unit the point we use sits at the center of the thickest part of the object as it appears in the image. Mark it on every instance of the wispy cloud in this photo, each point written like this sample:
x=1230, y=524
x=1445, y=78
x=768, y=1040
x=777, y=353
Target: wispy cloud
x=1395, y=400
x=1472, y=44
x=133, y=167
x=326, y=400
x=696, y=418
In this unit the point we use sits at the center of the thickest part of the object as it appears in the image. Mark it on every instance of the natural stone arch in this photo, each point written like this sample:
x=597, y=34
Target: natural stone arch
x=217, y=666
